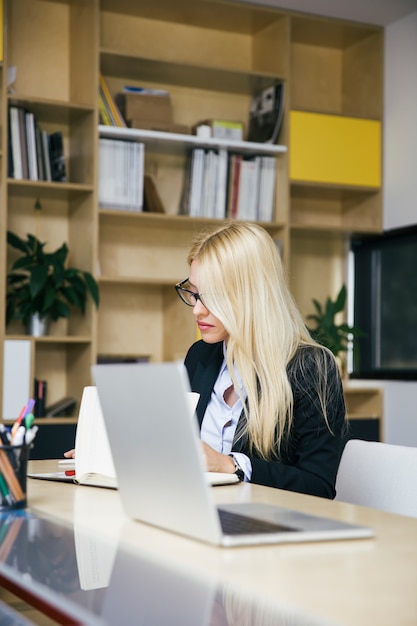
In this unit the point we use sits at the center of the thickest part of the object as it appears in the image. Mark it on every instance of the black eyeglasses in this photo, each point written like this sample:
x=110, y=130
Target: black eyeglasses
x=187, y=296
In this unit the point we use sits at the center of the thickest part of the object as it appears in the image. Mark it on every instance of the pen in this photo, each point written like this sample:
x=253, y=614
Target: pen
x=18, y=422
x=19, y=436
x=28, y=421
x=9, y=475
x=27, y=409
x=30, y=435
x=4, y=435
x=5, y=493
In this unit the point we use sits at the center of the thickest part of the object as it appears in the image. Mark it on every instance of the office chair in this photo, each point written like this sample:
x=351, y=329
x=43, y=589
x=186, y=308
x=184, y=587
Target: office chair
x=378, y=475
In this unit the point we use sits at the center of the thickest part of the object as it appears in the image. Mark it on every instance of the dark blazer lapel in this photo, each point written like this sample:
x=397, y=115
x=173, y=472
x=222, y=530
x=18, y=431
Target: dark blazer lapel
x=208, y=360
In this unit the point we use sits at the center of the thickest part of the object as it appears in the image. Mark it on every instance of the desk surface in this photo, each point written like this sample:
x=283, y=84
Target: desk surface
x=76, y=551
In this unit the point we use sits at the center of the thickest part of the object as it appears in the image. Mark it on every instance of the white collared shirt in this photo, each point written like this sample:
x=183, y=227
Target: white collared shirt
x=220, y=420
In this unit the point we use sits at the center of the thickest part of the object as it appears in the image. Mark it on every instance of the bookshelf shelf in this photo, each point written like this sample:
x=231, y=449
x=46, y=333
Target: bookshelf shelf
x=137, y=280
x=177, y=143
x=219, y=78
x=52, y=339
x=52, y=111
x=47, y=189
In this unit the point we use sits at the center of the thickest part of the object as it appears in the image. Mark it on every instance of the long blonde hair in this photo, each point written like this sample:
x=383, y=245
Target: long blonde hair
x=242, y=280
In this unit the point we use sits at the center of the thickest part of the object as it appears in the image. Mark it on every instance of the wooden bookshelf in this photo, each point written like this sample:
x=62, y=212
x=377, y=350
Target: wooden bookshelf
x=210, y=56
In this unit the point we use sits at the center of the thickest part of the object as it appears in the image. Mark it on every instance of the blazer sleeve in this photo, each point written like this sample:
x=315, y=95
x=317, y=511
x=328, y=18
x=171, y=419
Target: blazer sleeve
x=310, y=459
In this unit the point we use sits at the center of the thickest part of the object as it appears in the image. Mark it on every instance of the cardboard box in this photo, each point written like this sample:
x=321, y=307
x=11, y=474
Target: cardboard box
x=139, y=107
x=161, y=126
x=222, y=129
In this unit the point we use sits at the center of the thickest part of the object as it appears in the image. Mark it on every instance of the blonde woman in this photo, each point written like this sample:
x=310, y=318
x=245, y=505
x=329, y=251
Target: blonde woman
x=271, y=405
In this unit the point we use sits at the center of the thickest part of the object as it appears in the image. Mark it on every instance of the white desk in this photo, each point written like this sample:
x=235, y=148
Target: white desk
x=163, y=578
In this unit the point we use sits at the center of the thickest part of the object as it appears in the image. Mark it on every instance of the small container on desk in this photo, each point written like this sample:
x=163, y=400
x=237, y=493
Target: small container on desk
x=13, y=469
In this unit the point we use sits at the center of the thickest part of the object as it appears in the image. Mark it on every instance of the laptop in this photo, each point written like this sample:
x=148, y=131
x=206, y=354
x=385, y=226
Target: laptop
x=154, y=440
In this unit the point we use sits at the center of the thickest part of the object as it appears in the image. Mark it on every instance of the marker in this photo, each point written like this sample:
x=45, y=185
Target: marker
x=3, y=435
x=19, y=436
x=5, y=493
x=18, y=421
x=31, y=434
x=29, y=419
x=29, y=407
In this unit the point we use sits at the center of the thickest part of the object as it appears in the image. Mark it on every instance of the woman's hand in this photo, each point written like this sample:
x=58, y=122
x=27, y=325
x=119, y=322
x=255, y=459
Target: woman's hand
x=217, y=462
x=70, y=454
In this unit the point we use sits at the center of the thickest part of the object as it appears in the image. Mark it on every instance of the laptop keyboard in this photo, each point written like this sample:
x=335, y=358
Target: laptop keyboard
x=235, y=524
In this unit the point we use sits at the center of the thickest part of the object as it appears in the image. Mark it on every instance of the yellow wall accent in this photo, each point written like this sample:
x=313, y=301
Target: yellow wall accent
x=334, y=149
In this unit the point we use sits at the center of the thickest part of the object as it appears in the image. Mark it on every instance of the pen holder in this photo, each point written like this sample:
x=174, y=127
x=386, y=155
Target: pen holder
x=13, y=469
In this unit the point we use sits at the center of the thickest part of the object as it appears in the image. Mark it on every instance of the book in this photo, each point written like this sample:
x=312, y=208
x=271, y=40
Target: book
x=234, y=177
x=196, y=184
x=57, y=158
x=121, y=172
x=221, y=192
x=93, y=458
x=15, y=143
x=31, y=146
x=23, y=142
x=267, y=189
x=113, y=113
x=40, y=389
x=247, y=201
x=266, y=112
x=46, y=156
x=39, y=153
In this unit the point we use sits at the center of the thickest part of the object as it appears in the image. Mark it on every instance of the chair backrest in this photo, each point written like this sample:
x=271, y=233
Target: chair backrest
x=379, y=475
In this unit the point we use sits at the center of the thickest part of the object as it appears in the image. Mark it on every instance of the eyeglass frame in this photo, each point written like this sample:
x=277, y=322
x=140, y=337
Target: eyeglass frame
x=179, y=289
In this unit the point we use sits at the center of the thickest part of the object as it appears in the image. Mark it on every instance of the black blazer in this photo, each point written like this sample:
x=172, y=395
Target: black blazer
x=310, y=459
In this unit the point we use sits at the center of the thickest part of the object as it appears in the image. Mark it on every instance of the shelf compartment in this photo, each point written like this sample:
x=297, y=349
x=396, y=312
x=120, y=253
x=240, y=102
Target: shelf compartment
x=317, y=267
x=76, y=123
x=128, y=250
x=336, y=67
x=215, y=35
x=53, y=47
x=65, y=365
x=335, y=208
x=159, y=325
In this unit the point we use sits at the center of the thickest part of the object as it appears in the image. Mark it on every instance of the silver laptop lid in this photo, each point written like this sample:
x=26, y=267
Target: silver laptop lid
x=154, y=440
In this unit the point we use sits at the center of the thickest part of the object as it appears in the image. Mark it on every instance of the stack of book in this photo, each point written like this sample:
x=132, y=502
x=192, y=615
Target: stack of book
x=219, y=184
x=34, y=154
x=121, y=172
x=109, y=112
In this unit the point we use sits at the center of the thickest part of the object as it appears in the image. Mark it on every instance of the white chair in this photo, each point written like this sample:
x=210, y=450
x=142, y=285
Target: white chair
x=378, y=475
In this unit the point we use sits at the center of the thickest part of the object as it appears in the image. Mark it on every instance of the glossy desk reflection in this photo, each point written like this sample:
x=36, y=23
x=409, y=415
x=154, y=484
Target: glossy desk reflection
x=96, y=582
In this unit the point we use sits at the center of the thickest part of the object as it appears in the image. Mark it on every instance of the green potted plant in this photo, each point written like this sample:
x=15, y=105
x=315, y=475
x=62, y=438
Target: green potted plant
x=40, y=286
x=327, y=332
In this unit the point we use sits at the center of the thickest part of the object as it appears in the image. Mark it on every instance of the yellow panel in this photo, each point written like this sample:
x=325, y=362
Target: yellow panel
x=334, y=149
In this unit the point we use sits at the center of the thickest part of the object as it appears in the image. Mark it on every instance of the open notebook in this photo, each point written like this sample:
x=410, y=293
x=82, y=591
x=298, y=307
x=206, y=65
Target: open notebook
x=160, y=468
x=93, y=463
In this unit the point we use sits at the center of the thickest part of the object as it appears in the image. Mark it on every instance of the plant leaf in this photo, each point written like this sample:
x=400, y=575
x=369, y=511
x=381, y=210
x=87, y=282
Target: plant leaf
x=38, y=279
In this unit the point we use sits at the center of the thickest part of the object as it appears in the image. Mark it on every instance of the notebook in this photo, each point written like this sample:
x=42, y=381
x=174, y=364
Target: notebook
x=93, y=464
x=160, y=469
